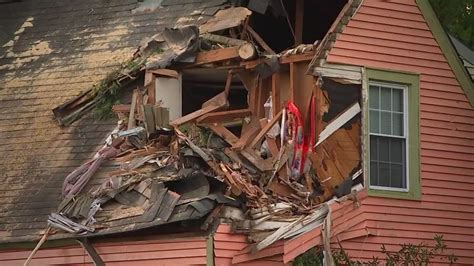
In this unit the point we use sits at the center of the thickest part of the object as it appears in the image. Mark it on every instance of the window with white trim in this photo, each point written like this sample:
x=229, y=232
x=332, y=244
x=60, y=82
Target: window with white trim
x=388, y=115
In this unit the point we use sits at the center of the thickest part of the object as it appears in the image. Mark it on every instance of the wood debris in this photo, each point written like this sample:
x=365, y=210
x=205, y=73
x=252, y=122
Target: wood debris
x=282, y=155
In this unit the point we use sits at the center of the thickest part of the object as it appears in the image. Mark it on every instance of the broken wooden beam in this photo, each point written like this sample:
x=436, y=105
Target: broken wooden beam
x=131, y=117
x=192, y=116
x=249, y=131
x=224, y=133
x=217, y=55
x=164, y=72
x=123, y=108
x=265, y=130
x=247, y=51
x=222, y=39
x=260, y=41
x=149, y=118
x=217, y=102
x=276, y=96
x=162, y=116
x=339, y=121
x=87, y=246
x=223, y=116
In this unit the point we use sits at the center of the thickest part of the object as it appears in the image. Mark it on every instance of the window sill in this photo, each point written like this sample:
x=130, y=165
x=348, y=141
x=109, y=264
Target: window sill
x=406, y=195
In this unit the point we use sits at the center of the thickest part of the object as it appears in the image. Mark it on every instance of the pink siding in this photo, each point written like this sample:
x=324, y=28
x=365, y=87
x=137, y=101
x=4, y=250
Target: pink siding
x=228, y=246
x=393, y=35
x=144, y=251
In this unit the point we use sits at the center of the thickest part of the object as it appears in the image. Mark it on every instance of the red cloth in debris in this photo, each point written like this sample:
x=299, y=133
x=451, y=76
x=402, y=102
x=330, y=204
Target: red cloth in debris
x=303, y=144
x=77, y=179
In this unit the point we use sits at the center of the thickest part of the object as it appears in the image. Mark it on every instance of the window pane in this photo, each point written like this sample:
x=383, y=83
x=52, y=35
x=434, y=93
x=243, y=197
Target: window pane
x=386, y=123
x=397, y=178
x=374, y=97
x=373, y=173
x=374, y=121
x=385, y=98
x=373, y=148
x=397, y=124
x=383, y=150
x=397, y=146
x=387, y=162
x=397, y=100
x=384, y=175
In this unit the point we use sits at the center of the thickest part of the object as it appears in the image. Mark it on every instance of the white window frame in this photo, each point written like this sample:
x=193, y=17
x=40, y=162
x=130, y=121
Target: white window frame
x=404, y=88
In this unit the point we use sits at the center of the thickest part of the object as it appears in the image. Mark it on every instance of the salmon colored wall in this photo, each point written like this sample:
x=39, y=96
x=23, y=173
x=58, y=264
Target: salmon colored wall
x=393, y=35
x=229, y=246
x=149, y=251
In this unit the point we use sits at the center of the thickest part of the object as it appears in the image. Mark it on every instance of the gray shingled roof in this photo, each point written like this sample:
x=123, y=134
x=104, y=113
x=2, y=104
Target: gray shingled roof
x=53, y=50
x=466, y=55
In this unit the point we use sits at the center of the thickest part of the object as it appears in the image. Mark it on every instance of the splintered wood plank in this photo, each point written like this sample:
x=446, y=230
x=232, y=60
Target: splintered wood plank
x=164, y=72
x=281, y=190
x=131, y=117
x=150, y=85
x=162, y=116
x=124, y=108
x=217, y=55
x=223, y=116
x=249, y=131
x=149, y=118
x=192, y=116
x=257, y=161
x=149, y=77
x=217, y=102
x=297, y=58
x=293, y=81
x=222, y=39
x=224, y=133
x=339, y=121
x=272, y=145
x=228, y=83
x=322, y=107
x=139, y=111
x=265, y=130
x=276, y=101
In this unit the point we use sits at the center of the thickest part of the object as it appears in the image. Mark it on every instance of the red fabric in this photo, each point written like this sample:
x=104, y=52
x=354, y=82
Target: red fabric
x=303, y=144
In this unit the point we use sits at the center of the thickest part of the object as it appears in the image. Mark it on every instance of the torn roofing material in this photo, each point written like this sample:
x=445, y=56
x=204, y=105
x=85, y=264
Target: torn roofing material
x=249, y=170
x=172, y=45
x=59, y=50
x=185, y=171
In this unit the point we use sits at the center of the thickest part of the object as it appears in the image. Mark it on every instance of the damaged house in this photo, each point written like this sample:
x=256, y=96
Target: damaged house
x=161, y=132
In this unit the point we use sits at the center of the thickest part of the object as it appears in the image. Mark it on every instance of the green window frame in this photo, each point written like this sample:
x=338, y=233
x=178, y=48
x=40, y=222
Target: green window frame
x=411, y=83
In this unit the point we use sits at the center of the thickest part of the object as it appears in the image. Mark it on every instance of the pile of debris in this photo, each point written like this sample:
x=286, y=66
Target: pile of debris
x=268, y=168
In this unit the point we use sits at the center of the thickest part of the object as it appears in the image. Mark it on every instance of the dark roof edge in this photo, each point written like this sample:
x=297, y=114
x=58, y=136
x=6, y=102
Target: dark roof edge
x=463, y=50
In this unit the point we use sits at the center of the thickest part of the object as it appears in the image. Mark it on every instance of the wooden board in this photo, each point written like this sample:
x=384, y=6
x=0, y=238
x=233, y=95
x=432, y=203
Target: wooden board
x=217, y=55
x=265, y=130
x=131, y=117
x=223, y=116
x=224, y=133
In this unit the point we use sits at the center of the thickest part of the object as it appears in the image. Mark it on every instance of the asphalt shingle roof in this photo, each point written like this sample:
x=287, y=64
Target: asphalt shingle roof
x=51, y=52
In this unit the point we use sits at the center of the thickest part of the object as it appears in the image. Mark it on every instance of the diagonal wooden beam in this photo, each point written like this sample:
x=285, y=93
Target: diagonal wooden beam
x=84, y=242
x=265, y=130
